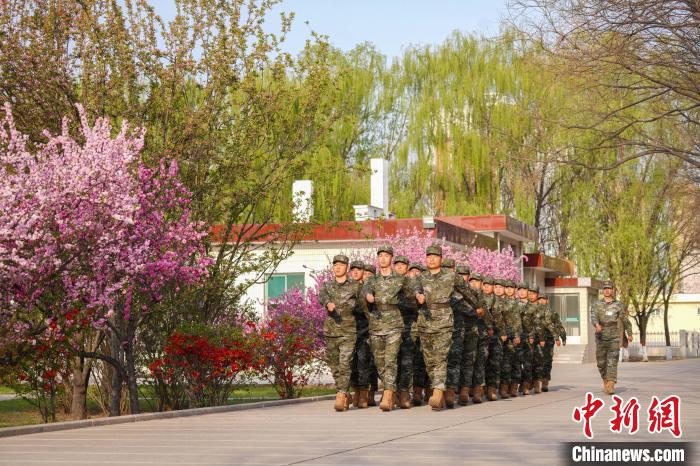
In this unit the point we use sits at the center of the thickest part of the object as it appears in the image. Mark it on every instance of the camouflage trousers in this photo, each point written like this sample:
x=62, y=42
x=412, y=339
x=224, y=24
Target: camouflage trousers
x=339, y=352
x=525, y=359
x=469, y=350
x=537, y=362
x=510, y=368
x=548, y=352
x=385, y=350
x=607, y=353
x=406, y=356
x=420, y=374
x=493, y=363
x=454, y=358
x=435, y=348
x=482, y=355
x=361, y=362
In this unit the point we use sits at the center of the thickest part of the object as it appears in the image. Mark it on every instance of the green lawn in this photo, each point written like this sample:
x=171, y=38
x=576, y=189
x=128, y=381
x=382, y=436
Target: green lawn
x=17, y=412
x=6, y=390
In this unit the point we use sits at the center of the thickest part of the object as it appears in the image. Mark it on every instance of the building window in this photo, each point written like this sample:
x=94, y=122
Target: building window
x=277, y=284
x=568, y=308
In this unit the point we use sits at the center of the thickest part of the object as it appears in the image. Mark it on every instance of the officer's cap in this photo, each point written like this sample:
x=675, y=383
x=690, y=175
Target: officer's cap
x=448, y=263
x=415, y=265
x=435, y=249
x=357, y=265
x=401, y=259
x=341, y=258
x=385, y=248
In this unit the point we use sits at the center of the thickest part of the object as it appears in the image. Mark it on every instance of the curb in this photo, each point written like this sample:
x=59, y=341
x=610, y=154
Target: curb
x=108, y=421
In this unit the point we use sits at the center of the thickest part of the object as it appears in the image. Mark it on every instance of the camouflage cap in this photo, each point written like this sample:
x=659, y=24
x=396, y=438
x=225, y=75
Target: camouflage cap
x=385, y=248
x=357, y=265
x=402, y=259
x=488, y=280
x=370, y=268
x=341, y=258
x=448, y=263
x=499, y=281
x=534, y=288
x=511, y=284
x=544, y=296
x=435, y=249
x=415, y=265
x=608, y=284
x=475, y=276
x=463, y=270
x=523, y=285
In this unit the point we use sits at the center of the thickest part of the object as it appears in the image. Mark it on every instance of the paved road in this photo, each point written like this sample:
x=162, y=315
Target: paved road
x=519, y=431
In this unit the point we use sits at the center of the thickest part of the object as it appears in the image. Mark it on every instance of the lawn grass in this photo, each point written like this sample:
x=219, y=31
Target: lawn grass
x=6, y=390
x=19, y=412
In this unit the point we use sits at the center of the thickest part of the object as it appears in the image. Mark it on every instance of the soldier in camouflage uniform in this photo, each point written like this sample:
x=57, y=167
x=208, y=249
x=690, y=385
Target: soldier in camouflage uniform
x=531, y=332
x=408, y=306
x=485, y=328
x=496, y=341
x=362, y=356
x=370, y=271
x=510, y=365
x=437, y=321
x=548, y=330
x=385, y=290
x=342, y=299
x=470, y=338
x=420, y=375
x=549, y=341
x=454, y=355
x=609, y=317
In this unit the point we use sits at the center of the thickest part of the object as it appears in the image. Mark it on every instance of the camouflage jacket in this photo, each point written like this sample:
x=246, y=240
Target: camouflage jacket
x=499, y=312
x=560, y=326
x=408, y=306
x=607, y=315
x=530, y=322
x=511, y=315
x=487, y=320
x=547, y=321
x=349, y=304
x=388, y=291
x=439, y=291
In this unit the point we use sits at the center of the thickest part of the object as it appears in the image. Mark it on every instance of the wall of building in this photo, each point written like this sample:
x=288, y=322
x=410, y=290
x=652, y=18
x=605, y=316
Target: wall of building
x=683, y=314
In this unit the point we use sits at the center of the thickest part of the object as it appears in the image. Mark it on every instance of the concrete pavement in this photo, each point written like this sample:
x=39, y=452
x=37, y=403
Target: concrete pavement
x=522, y=431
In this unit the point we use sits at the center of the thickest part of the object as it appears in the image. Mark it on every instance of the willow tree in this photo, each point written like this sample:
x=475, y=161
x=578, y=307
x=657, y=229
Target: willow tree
x=478, y=120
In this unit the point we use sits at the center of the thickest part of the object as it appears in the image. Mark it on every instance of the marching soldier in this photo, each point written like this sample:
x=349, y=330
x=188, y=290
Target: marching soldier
x=495, y=350
x=454, y=355
x=511, y=370
x=609, y=317
x=361, y=362
x=385, y=322
x=370, y=271
x=408, y=306
x=470, y=339
x=484, y=324
x=549, y=341
x=342, y=299
x=548, y=330
x=420, y=376
x=436, y=323
x=530, y=334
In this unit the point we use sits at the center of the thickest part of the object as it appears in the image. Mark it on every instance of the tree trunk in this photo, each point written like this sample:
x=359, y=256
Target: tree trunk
x=81, y=374
x=131, y=369
x=643, y=319
x=117, y=379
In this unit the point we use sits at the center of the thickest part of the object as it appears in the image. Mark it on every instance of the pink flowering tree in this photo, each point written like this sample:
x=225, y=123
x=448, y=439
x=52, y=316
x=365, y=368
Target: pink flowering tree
x=90, y=240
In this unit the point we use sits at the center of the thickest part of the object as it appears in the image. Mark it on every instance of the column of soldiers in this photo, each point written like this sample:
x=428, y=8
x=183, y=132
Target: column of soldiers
x=433, y=333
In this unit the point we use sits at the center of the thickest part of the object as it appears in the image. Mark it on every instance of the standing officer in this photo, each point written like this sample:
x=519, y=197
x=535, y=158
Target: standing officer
x=549, y=341
x=437, y=323
x=609, y=317
x=342, y=298
x=385, y=323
